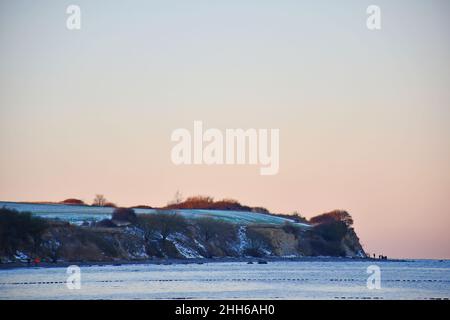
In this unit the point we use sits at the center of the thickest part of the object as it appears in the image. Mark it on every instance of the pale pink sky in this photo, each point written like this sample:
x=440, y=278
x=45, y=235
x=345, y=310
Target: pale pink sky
x=364, y=117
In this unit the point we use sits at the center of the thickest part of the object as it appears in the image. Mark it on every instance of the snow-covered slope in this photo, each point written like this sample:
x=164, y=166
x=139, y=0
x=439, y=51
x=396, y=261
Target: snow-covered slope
x=79, y=214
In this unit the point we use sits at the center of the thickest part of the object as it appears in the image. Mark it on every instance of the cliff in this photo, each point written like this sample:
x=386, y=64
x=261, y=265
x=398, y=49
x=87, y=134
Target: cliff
x=168, y=235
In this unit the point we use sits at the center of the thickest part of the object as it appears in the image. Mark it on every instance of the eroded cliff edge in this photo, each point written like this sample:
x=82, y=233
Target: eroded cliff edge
x=168, y=235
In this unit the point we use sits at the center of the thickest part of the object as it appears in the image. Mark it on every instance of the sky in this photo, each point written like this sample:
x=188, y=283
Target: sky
x=364, y=116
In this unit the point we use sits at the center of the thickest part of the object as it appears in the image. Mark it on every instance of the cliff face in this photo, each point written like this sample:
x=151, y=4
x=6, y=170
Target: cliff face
x=351, y=245
x=183, y=239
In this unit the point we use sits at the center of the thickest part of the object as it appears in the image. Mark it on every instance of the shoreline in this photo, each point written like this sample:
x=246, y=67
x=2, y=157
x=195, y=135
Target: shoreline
x=170, y=261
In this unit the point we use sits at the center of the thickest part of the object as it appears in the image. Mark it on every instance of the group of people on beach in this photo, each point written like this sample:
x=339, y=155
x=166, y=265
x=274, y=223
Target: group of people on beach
x=380, y=257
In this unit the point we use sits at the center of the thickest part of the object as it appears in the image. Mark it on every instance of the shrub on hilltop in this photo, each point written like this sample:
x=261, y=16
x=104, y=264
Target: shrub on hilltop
x=208, y=203
x=329, y=233
x=333, y=216
x=73, y=201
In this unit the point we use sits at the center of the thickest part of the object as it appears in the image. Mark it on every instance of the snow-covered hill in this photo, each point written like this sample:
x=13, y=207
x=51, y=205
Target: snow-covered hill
x=79, y=214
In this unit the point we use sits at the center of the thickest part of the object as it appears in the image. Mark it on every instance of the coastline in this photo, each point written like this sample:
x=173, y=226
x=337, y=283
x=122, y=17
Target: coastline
x=172, y=261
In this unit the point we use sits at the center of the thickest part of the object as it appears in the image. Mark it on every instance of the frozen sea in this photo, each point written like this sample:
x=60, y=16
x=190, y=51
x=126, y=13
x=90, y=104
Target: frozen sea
x=421, y=279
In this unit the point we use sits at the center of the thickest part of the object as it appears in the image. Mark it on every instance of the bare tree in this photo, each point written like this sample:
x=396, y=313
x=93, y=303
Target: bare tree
x=162, y=223
x=99, y=200
x=210, y=228
x=177, y=198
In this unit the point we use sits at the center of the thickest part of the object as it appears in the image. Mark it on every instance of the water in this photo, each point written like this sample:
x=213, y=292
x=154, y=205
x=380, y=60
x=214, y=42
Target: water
x=425, y=279
x=79, y=214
